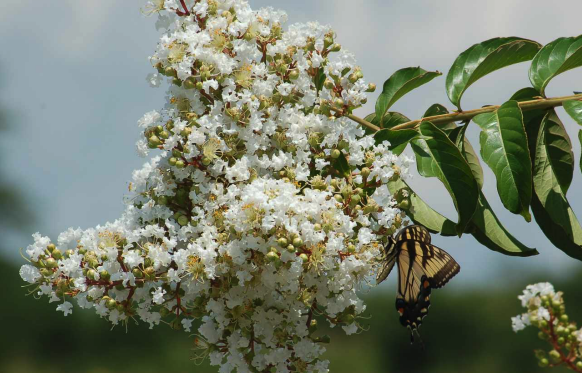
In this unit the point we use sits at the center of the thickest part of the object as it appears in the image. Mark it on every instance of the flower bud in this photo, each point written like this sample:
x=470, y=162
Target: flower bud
x=561, y=341
x=282, y=242
x=291, y=249
x=554, y=356
x=180, y=164
x=371, y=87
x=329, y=84
x=104, y=275
x=304, y=257
x=294, y=74
x=335, y=153
x=335, y=47
x=91, y=274
x=563, y=318
x=57, y=254
x=579, y=365
x=51, y=247
x=297, y=242
x=111, y=304
x=543, y=362
x=137, y=273
x=51, y=263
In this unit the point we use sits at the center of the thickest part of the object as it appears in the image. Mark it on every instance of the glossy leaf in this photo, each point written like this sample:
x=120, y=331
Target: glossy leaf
x=437, y=156
x=567, y=239
x=574, y=109
x=559, y=151
x=504, y=148
x=560, y=55
x=398, y=139
x=435, y=109
x=421, y=213
x=458, y=137
x=553, y=167
x=341, y=165
x=488, y=230
x=399, y=84
x=580, y=139
x=438, y=109
x=484, y=58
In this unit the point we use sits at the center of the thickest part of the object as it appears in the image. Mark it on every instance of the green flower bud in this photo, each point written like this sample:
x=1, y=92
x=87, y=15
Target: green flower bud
x=291, y=249
x=82, y=251
x=186, y=132
x=579, y=365
x=272, y=256
x=163, y=200
x=329, y=84
x=206, y=161
x=351, y=248
x=339, y=102
x=57, y=254
x=91, y=273
x=542, y=335
x=51, y=263
x=353, y=78
x=46, y=272
x=154, y=141
x=336, y=47
x=371, y=87
x=282, y=242
x=105, y=276
x=160, y=67
x=405, y=204
x=563, y=318
x=111, y=304
x=317, y=227
x=554, y=356
x=356, y=199
x=335, y=153
x=561, y=341
x=169, y=71
x=137, y=273
x=180, y=164
x=190, y=83
x=51, y=247
x=183, y=220
x=294, y=74
x=68, y=253
x=544, y=362
x=164, y=135
x=297, y=242
x=304, y=257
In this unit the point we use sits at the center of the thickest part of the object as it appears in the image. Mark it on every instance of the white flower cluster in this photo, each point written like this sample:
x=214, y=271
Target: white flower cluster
x=546, y=311
x=266, y=209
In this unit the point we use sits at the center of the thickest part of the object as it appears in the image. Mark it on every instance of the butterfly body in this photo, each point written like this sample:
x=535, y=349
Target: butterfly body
x=421, y=268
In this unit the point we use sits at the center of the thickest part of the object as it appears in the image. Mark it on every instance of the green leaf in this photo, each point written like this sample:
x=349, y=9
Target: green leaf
x=504, y=148
x=488, y=230
x=561, y=55
x=437, y=156
x=435, y=109
x=569, y=238
x=398, y=139
x=559, y=151
x=399, y=84
x=438, y=109
x=580, y=138
x=574, y=109
x=484, y=58
x=421, y=213
x=341, y=165
x=458, y=137
x=393, y=118
x=320, y=79
x=553, y=167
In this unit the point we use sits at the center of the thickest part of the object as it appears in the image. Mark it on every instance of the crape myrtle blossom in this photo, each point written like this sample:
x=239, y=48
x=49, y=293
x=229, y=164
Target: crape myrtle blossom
x=261, y=210
x=547, y=312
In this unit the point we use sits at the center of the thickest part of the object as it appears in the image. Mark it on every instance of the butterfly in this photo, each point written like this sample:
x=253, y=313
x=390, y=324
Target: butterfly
x=421, y=268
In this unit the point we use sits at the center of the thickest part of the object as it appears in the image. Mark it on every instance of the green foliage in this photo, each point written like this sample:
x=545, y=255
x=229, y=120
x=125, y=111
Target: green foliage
x=522, y=141
x=574, y=109
x=504, y=148
x=399, y=84
x=484, y=58
x=559, y=56
x=553, y=170
x=437, y=156
x=421, y=213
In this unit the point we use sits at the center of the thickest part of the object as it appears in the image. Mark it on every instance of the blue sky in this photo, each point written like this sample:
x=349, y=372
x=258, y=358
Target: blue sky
x=72, y=73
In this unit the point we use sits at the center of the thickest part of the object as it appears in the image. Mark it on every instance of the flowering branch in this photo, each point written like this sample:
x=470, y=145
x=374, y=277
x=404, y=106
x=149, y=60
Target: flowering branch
x=547, y=311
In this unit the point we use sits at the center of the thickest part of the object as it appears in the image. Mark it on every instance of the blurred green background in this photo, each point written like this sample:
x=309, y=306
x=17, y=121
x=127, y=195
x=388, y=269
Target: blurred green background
x=72, y=87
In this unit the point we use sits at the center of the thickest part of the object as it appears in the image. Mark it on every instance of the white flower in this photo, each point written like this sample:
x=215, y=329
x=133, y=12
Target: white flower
x=65, y=307
x=158, y=296
x=29, y=273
